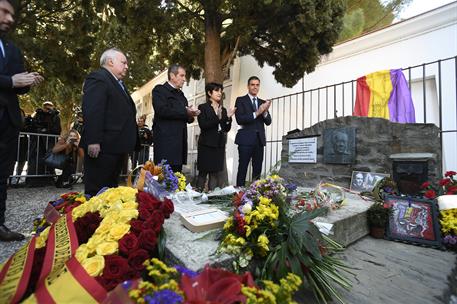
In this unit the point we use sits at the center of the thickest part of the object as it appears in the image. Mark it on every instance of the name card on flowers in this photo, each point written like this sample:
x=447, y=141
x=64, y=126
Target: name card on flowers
x=203, y=220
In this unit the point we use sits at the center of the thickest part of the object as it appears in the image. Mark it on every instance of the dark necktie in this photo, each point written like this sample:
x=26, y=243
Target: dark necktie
x=254, y=103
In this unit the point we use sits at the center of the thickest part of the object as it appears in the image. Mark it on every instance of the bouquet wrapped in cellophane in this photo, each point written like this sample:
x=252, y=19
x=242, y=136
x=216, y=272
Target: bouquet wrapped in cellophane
x=158, y=180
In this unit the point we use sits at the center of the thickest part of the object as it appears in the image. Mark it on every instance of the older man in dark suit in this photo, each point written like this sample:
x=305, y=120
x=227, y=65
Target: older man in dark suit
x=110, y=129
x=252, y=115
x=14, y=80
x=171, y=113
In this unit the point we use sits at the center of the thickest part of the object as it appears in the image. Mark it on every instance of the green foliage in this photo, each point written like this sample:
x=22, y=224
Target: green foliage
x=377, y=215
x=288, y=35
x=63, y=40
x=369, y=15
x=300, y=252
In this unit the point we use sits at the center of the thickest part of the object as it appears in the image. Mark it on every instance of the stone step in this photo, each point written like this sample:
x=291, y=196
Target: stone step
x=350, y=220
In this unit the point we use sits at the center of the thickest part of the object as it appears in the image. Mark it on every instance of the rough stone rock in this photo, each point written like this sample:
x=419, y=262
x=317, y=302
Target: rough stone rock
x=376, y=140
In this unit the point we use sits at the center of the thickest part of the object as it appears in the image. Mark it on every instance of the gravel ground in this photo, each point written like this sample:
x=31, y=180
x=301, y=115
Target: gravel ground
x=22, y=207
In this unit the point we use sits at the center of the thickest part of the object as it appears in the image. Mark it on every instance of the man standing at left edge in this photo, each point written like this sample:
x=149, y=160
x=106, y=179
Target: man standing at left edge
x=110, y=131
x=14, y=80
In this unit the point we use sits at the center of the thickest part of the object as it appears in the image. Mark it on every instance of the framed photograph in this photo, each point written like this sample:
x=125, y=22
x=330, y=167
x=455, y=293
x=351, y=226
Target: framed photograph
x=365, y=181
x=413, y=220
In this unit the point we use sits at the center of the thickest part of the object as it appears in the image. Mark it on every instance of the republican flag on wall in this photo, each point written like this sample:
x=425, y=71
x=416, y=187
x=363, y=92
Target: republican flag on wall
x=385, y=94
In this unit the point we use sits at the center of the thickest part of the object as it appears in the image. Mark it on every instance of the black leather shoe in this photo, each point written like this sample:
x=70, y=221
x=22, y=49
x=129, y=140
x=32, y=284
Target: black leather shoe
x=7, y=235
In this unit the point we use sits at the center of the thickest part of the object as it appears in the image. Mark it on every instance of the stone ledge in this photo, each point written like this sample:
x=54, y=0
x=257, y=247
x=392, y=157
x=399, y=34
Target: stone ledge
x=350, y=221
x=192, y=250
x=195, y=250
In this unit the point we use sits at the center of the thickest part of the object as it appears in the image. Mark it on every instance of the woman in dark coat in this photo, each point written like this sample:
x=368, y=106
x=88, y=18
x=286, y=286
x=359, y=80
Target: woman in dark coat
x=214, y=122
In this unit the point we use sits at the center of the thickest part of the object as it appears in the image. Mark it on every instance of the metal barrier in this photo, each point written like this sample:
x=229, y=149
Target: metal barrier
x=434, y=90
x=32, y=148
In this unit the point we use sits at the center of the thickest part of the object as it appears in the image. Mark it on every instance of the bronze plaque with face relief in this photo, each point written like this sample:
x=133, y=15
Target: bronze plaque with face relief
x=339, y=146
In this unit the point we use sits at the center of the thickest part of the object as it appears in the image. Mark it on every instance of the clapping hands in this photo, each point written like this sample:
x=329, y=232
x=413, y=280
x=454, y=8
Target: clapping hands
x=192, y=111
x=266, y=105
x=26, y=79
x=231, y=112
x=263, y=108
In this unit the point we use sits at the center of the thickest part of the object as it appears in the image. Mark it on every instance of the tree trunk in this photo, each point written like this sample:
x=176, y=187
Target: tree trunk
x=213, y=64
x=213, y=67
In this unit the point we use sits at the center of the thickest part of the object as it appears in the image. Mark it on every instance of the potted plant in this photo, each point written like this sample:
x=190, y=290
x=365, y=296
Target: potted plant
x=377, y=216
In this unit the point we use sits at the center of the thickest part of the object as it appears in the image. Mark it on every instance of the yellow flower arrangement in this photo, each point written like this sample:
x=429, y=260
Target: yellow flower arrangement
x=257, y=218
x=117, y=207
x=280, y=241
x=161, y=276
x=273, y=293
x=449, y=221
x=181, y=181
x=94, y=265
x=262, y=243
x=42, y=238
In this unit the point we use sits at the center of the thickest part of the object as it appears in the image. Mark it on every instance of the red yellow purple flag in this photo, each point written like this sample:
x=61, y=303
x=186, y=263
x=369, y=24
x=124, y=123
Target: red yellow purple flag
x=385, y=94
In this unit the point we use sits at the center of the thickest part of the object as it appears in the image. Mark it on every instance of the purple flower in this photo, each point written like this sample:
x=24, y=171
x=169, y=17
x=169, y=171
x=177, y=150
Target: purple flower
x=290, y=187
x=170, y=181
x=58, y=202
x=165, y=296
x=450, y=239
x=126, y=284
x=183, y=270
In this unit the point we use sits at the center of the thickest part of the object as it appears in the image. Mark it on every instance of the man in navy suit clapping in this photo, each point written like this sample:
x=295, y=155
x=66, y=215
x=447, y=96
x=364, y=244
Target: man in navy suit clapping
x=252, y=115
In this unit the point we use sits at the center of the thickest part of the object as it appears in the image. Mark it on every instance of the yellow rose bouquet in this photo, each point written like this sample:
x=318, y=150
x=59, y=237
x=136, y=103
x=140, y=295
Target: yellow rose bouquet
x=93, y=247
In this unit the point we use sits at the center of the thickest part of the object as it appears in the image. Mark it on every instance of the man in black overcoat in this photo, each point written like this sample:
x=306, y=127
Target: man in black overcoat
x=252, y=115
x=110, y=130
x=14, y=80
x=171, y=114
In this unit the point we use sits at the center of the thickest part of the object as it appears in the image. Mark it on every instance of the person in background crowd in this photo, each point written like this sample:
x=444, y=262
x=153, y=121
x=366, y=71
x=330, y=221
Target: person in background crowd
x=172, y=112
x=78, y=124
x=214, y=122
x=68, y=144
x=110, y=131
x=14, y=80
x=252, y=115
x=46, y=121
x=145, y=136
x=23, y=147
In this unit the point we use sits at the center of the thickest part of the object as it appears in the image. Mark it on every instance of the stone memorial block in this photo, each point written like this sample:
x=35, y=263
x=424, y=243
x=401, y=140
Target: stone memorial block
x=375, y=141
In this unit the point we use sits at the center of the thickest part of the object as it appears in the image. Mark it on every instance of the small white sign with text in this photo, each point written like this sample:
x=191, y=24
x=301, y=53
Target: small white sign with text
x=303, y=150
